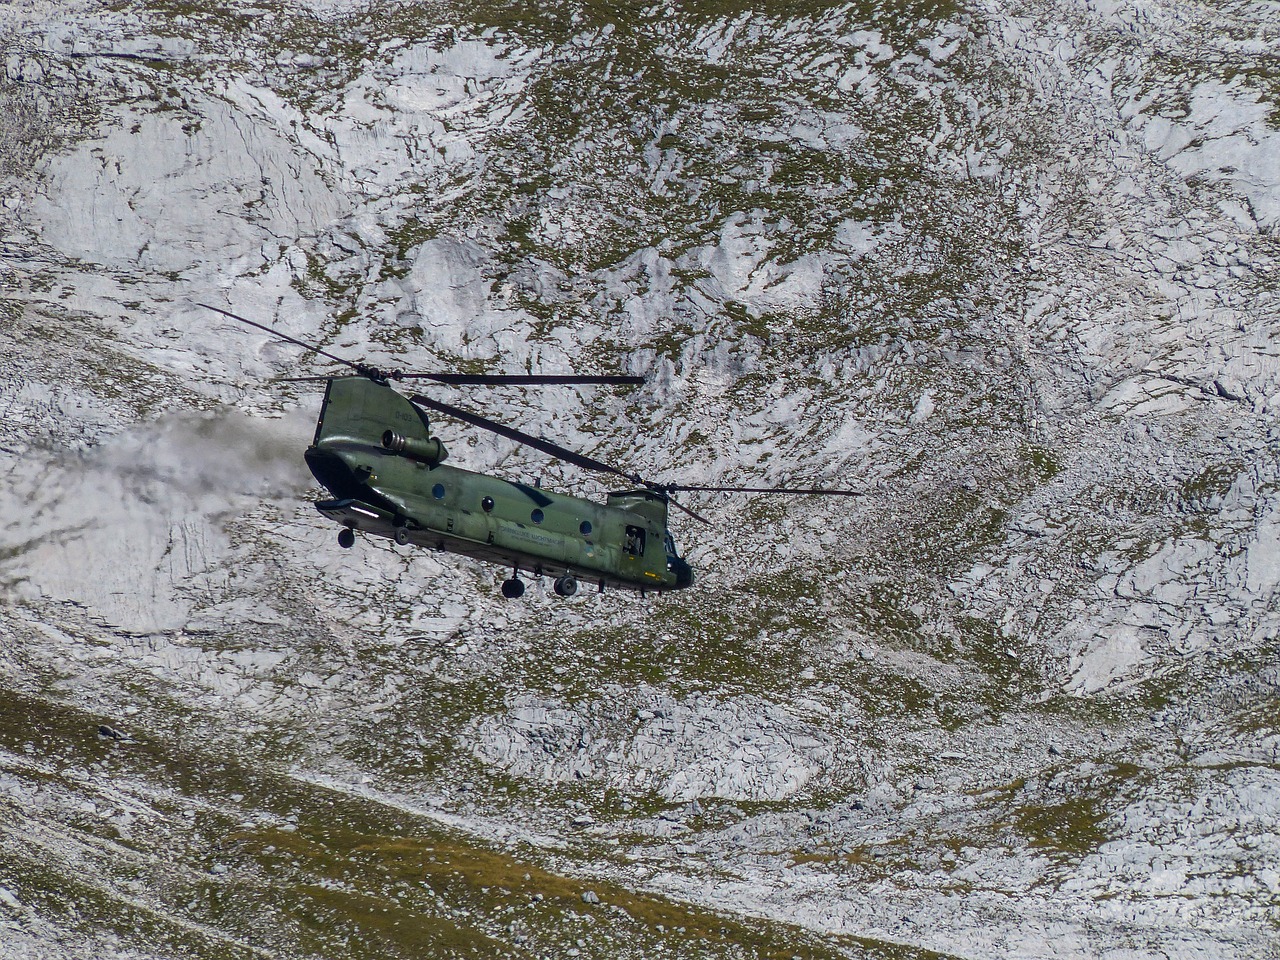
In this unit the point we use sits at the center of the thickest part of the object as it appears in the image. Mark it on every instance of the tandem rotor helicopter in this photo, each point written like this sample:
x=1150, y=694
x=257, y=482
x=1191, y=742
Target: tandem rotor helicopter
x=375, y=453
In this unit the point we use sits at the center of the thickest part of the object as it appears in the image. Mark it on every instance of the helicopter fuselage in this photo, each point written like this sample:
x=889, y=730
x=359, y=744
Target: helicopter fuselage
x=373, y=451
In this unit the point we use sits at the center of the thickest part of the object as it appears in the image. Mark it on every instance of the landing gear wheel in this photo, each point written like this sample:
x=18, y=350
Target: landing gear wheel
x=513, y=588
x=346, y=538
x=565, y=586
x=402, y=536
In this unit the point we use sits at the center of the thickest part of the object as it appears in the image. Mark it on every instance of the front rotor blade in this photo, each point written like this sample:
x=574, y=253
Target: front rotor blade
x=817, y=491
x=519, y=379
x=680, y=506
x=511, y=433
x=283, y=336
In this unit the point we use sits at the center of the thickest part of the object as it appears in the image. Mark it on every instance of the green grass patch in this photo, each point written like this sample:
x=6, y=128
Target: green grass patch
x=310, y=871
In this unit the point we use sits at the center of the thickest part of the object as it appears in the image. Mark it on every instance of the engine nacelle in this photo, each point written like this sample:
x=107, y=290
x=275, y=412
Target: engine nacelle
x=430, y=451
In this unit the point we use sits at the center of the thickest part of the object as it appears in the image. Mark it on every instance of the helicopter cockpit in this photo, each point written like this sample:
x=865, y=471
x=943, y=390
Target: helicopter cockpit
x=682, y=570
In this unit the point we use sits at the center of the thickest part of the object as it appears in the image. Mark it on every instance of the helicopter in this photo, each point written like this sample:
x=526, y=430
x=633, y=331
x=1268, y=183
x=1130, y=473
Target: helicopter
x=375, y=453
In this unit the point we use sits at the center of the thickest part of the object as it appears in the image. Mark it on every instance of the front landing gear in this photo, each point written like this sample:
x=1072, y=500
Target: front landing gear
x=565, y=586
x=513, y=588
x=346, y=538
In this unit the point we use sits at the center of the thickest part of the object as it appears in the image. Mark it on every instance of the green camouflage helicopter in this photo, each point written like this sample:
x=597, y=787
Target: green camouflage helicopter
x=374, y=452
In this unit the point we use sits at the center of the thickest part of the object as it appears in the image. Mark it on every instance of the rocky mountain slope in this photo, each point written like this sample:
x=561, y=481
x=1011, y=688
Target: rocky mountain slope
x=1010, y=270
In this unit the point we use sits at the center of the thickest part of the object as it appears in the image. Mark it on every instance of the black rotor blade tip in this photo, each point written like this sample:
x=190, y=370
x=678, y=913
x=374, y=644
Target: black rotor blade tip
x=523, y=379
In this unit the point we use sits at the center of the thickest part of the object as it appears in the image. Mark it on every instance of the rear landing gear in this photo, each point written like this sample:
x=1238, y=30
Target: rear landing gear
x=346, y=538
x=513, y=588
x=565, y=586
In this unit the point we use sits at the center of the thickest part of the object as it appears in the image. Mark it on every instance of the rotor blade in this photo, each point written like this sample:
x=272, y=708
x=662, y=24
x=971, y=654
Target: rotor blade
x=283, y=336
x=680, y=506
x=511, y=433
x=518, y=379
x=818, y=491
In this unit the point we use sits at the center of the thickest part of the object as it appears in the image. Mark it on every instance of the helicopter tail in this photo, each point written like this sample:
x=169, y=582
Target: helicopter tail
x=362, y=421
x=359, y=411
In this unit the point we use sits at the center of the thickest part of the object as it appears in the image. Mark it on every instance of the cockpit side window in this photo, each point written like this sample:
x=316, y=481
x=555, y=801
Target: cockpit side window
x=670, y=544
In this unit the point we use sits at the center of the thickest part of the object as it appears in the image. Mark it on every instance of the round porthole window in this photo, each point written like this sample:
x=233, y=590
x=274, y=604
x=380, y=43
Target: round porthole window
x=585, y=528
x=487, y=504
x=536, y=516
x=438, y=491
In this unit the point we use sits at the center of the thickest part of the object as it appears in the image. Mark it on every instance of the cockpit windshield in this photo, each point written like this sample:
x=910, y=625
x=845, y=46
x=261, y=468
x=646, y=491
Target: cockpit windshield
x=670, y=543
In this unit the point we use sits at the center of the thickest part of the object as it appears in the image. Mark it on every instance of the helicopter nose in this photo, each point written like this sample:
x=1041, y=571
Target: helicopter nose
x=683, y=572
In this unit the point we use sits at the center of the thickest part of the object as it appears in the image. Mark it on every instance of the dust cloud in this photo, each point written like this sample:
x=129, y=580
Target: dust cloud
x=136, y=529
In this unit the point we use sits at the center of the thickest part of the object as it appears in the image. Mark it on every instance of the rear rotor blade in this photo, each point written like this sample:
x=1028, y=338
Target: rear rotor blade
x=511, y=433
x=283, y=336
x=589, y=463
x=455, y=379
x=554, y=449
x=519, y=379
